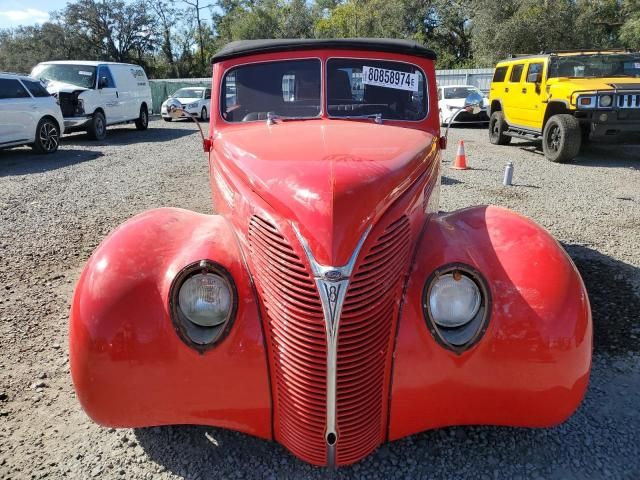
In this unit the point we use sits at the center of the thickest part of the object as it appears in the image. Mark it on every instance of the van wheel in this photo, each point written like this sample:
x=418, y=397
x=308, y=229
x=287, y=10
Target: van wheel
x=204, y=116
x=497, y=127
x=47, y=136
x=561, y=138
x=97, y=127
x=142, y=122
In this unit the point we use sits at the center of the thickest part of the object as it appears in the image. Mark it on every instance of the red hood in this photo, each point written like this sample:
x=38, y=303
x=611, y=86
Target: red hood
x=333, y=178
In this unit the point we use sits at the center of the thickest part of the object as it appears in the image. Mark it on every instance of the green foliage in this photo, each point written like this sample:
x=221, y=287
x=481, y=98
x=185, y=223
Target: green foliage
x=176, y=38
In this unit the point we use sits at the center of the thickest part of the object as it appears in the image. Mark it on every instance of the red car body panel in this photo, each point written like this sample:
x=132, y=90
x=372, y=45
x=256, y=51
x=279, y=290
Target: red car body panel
x=540, y=319
x=341, y=185
x=129, y=367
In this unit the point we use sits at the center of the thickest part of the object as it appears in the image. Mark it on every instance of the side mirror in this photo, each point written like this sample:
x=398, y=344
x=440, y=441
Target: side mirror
x=473, y=103
x=102, y=82
x=175, y=111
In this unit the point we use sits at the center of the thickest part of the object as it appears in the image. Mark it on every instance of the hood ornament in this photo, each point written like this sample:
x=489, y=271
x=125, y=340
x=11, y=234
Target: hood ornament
x=333, y=275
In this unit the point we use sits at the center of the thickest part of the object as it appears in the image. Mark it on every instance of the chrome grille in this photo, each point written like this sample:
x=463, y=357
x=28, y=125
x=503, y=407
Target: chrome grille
x=628, y=100
x=295, y=330
x=296, y=334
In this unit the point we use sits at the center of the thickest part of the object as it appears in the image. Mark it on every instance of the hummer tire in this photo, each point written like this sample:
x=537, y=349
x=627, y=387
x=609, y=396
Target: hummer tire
x=497, y=127
x=561, y=138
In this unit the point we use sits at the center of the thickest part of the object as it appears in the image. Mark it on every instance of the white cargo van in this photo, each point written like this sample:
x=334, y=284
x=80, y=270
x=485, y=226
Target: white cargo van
x=93, y=95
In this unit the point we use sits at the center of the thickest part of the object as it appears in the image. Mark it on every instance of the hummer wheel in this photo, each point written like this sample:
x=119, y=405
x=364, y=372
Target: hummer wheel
x=561, y=138
x=497, y=127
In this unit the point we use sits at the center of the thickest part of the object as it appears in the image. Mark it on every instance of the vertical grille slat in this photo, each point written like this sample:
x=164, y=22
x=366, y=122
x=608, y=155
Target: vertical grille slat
x=363, y=343
x=296, y=333
x=295, y=327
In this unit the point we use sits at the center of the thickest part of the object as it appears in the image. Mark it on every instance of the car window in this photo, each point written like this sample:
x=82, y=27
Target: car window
x=105, y=78
x=534, y=72
x=80, y=75
x=362, y=87
x=207, y=94
x=596, y=65
x=288, y=88
x=516, y=73
x=460, y=92
x=36, y=88
x=188, y=93
x=500, y=74
x=12, y=88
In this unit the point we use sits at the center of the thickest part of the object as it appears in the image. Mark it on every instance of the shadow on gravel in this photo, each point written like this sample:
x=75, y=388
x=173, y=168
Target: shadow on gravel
x=450, y=181
x=22, y=161
x=615, y=300
x=127, y=135
x=609, y=155
x=577, y=449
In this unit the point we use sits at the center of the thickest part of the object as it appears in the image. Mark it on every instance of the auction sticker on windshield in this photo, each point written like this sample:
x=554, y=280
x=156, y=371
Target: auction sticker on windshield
x=382, y=77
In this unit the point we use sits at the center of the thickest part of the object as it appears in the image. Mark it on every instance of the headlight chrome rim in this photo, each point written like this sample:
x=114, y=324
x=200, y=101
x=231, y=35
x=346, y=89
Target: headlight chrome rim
x=189, y=331
x=480, y=321
x=609, y=101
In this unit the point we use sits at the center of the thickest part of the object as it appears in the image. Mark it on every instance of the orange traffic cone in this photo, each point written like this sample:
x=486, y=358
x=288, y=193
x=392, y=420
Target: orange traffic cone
x=460, y=162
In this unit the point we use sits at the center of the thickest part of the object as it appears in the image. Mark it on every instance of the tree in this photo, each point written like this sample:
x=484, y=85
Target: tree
x=119, y=31
x=167, y=16
x=364, y=18
x=196, y=6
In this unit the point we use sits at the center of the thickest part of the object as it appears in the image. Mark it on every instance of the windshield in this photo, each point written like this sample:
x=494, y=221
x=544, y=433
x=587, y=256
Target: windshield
x=289, y=89
x=80, y=75
x=189, y=93
x=460, y=92
x=361, y=87
x=596, y=65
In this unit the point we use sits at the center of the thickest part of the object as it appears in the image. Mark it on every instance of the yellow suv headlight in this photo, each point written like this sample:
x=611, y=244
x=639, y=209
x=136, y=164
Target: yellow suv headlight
x=606, y=100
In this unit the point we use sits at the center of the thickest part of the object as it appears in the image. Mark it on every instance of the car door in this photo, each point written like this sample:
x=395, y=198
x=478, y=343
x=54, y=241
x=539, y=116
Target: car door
x=531, y=95
x=512, y=96
x=109, y=95
x=18, y=112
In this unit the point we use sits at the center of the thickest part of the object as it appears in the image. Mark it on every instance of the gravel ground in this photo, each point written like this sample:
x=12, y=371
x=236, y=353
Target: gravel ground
x=54, y=211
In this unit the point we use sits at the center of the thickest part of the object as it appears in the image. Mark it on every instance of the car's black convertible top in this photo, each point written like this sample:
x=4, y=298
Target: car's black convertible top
x=249, y=47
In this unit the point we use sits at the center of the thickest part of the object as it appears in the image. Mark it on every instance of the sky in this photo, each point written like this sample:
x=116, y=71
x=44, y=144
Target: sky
x=27, y=12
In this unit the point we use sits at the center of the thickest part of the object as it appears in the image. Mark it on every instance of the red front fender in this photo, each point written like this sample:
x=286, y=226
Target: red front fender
x=531, y=367
x=129, y=367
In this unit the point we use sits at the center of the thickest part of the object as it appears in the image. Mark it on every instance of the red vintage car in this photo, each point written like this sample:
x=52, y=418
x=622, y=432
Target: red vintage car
x=329, y=305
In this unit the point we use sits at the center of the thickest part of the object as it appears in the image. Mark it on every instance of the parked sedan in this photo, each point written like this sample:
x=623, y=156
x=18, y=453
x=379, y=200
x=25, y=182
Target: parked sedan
x=29, y=115
x=195, y=101
x=451, y=100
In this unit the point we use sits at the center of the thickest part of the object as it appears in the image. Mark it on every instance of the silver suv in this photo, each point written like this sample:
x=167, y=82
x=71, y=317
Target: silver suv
x=29, y=115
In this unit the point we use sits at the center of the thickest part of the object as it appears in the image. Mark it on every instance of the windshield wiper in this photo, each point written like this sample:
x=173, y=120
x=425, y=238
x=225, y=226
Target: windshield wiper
x=272, y=117
x=375, y=116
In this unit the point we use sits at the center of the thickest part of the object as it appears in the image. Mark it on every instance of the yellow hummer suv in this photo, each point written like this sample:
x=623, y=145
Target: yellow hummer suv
x=565, y=98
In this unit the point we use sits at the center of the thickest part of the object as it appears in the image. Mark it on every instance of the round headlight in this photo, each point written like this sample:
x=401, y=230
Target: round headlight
x=606, y=100
x=205, y=299
x=454, y=300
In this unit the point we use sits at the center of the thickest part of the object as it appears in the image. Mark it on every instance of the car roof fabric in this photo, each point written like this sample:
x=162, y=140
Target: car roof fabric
x=249, y=47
